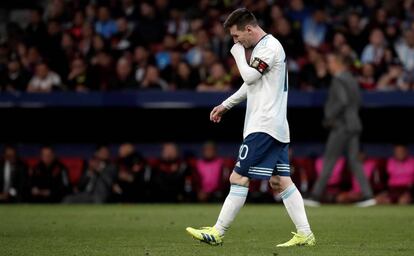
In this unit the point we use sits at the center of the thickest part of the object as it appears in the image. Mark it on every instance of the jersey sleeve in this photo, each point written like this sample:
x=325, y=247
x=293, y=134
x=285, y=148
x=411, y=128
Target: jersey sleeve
x=264, y=57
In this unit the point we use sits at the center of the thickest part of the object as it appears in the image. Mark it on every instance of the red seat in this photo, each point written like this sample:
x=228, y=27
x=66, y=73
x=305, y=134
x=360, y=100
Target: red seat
x=31, y=161
x=75, y=168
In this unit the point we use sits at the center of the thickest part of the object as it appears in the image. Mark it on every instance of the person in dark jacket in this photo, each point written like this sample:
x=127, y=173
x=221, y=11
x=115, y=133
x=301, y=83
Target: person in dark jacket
x=95, y=185
x=342, y=119
x=13, y=177
x=49, y=181
x=134, y=181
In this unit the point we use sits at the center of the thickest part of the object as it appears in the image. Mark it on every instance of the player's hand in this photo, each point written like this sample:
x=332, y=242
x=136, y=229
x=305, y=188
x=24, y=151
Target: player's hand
x=237, y=50
x=217, y=113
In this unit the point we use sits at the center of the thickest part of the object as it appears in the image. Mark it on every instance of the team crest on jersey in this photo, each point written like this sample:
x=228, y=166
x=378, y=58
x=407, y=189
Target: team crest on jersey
x=259, y=65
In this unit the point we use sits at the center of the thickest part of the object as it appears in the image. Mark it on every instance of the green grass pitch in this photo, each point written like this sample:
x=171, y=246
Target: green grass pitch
x=160, y=230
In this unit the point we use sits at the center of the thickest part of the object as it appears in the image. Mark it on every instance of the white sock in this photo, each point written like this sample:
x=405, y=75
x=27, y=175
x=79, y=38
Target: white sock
x=232, y=205
x=293, y=201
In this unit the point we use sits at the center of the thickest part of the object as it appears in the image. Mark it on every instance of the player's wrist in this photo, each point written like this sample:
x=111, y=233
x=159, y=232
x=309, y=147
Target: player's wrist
x=226, y=105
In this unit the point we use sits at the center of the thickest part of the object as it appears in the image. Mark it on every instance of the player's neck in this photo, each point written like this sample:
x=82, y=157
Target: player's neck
x=258, y=34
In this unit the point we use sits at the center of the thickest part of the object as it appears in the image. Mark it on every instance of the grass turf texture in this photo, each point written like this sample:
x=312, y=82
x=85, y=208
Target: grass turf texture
x=160, y=230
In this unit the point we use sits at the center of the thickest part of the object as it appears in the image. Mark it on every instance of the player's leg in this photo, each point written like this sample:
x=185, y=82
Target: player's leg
x=234, y=202
x=236, y=198
x=333, y=150
x=251, y=152
x=293, y=201
x=231, y=206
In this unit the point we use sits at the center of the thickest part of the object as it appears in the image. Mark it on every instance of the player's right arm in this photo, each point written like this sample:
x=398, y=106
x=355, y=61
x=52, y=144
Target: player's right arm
x=264, y=58
x=237, y=97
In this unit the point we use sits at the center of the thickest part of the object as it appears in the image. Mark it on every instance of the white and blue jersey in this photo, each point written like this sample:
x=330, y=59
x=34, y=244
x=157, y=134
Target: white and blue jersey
x=265, y=119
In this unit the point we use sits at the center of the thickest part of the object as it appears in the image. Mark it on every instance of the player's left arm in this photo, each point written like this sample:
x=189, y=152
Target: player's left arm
x=264, y=58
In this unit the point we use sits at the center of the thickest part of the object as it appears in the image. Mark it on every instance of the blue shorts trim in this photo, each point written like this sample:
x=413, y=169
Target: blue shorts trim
x=262, y=156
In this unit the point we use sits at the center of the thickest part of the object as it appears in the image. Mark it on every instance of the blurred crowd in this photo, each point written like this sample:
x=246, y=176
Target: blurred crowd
x=105, y=45
x=173, y=176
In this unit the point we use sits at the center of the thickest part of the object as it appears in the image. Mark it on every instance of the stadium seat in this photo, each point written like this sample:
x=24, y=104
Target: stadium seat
x=75, y=167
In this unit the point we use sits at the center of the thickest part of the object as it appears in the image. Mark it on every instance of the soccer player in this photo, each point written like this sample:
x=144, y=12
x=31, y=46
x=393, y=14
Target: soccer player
x=264, y=152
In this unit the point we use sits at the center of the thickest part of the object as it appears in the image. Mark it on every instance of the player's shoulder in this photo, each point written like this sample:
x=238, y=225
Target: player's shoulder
x=269, y=41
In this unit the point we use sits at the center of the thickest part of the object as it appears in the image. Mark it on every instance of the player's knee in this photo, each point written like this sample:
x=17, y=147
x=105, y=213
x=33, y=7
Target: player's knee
x=275, y=184
x=236, y=178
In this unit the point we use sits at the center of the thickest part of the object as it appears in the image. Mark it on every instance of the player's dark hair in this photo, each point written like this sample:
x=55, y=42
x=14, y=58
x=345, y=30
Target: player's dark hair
x=240, y=17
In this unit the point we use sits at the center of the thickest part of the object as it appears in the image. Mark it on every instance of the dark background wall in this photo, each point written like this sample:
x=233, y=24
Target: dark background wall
x=141, y=125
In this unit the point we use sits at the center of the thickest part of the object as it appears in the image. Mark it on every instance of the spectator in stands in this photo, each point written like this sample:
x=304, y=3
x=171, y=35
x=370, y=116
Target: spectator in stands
x=405, y=51
x=276, y=13
x=15, y=78
x=170, y=71
x=150, y=28
x=77, y=24
x=90, y=13
x=125, y=38
x=186, y=78
x=315, y=73
x=44, y=80
x=163, y=56
x=130, y=11
x=103, y=71
x=49, y=181
x=152, y=80
x=355, y=33
x=374, y=51
x=338, y=40
x=340, y=44
x=54, y=54
x=134, y=176
x=13, y=177
x=366, y=79
x=85, y=46
x=105, y=25
x=141, y=59
x=197, y=36
x=170, y=174
x=29, y=57
x=79, y=79
x=315, y=29
x=393, y=79
x=95, y=186
x=289, y=38
x=56, y=10
x=221, y=41
x=338, y=10
x=379, y=19
x=194, y=56
x=69, y=52
x=208, y=59
x=400, y=169
x=218, y=80
x=98, y=45
x=36, y=30
x=209, y=170
x=124, y=76
x=177, y=24
x=298, y=12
